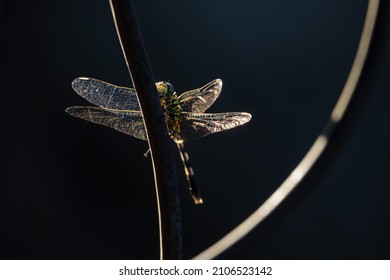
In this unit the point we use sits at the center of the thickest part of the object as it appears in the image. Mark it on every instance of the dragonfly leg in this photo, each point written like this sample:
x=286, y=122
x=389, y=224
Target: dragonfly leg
x=146, y=153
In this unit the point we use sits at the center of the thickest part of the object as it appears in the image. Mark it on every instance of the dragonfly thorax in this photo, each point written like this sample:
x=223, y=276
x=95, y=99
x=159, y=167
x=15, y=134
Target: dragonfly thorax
x=172, y=109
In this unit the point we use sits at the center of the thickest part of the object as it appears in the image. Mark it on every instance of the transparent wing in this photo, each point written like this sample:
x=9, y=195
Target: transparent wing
x=128, y=122
x=198, y=100
x=106, y=95
x=196, y=125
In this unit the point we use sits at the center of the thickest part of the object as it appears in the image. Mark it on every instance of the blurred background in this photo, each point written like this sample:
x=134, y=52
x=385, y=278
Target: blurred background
x=75, y=190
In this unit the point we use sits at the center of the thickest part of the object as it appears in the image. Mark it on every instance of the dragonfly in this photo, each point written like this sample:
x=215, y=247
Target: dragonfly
x=184, y=114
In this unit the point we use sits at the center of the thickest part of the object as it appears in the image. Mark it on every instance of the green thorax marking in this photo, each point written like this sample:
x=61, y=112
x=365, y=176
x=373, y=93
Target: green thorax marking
x=172, y=109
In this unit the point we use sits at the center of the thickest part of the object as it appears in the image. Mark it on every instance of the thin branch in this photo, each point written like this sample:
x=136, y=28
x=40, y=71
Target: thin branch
x=159, y=141
x=314, y=153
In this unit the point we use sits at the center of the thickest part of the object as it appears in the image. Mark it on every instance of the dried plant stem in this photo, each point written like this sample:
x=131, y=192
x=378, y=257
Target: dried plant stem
x=296, y=176
x=159, y=141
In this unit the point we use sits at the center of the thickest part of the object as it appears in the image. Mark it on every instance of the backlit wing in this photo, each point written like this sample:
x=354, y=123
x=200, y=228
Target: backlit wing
x=198, y=100
x=106, y=95
x=196, y=125
x=128, y=122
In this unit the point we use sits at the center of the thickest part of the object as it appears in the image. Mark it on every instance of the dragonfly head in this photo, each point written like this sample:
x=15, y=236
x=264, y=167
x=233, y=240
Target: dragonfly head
x=165, y=89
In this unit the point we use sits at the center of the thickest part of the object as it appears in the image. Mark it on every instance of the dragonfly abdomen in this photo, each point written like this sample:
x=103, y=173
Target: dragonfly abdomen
x=189, y=172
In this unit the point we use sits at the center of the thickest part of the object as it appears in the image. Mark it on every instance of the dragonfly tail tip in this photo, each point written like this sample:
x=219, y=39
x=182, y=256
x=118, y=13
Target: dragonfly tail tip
x=198, y=200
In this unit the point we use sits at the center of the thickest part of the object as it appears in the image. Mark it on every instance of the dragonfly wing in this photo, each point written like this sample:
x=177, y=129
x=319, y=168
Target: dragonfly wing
x=128, y=122
x=198, y=100
x=196, y=125
x=106, y=95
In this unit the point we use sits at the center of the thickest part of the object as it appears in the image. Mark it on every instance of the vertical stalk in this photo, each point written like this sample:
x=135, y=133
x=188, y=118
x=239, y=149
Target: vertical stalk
x=159, y=141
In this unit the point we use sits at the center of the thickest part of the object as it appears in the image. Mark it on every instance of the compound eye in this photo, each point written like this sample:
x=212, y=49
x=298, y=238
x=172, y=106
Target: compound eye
x=170, y=88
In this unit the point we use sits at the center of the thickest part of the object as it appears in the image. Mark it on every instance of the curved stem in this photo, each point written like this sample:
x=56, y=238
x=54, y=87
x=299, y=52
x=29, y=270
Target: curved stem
x=314, y=153
x=159, y=142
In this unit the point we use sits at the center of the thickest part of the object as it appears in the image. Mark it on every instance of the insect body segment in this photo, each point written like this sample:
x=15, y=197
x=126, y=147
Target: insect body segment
x=172, y=109
x=189, y=172
x=184, y=115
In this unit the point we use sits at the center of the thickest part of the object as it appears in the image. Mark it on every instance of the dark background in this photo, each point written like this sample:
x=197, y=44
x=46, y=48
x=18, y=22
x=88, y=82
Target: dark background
x=74, y=190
